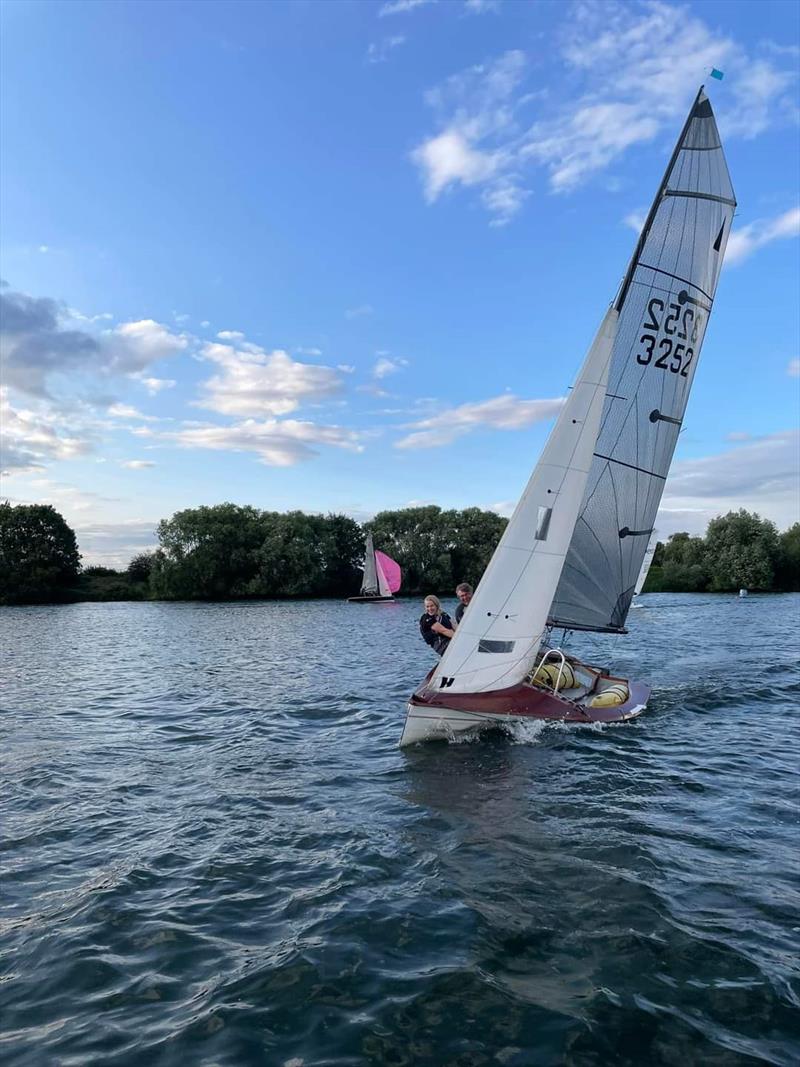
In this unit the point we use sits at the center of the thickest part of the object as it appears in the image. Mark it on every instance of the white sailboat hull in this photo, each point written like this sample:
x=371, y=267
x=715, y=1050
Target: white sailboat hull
x=433, y=715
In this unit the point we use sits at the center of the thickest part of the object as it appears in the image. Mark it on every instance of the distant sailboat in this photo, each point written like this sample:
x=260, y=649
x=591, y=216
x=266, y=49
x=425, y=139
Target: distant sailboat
x=574, y=547
x=648, y=559
x=382, y=577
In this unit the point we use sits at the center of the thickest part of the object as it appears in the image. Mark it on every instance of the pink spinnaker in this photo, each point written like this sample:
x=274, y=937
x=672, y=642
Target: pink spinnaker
x=391, y=570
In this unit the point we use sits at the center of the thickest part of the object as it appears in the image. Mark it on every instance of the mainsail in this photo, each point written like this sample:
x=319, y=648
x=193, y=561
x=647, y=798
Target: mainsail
x=664, y=303
x=369, y=584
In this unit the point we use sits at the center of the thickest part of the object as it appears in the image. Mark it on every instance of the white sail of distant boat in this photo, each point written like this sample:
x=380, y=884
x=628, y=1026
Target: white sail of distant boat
x=575, y=545
x=646, y=562
x=382, y=576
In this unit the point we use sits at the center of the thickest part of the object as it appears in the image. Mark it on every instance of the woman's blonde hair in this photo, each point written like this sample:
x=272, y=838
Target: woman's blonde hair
x=436, y=601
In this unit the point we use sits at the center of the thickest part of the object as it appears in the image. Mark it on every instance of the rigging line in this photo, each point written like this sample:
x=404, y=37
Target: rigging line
x=677, y=278
x=700, y=196
x=633, y=466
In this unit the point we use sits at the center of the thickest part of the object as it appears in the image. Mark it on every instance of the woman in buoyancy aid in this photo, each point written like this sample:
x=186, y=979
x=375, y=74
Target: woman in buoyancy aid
x=433, y=624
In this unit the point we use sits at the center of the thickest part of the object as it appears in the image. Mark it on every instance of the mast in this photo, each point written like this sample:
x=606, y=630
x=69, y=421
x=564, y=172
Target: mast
x=648, y=222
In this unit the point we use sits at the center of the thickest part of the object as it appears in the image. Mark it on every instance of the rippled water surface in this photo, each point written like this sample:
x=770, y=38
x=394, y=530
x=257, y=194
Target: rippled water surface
x=214, y=853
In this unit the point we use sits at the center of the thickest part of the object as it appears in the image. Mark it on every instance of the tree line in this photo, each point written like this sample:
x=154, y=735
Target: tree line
x=231, y=551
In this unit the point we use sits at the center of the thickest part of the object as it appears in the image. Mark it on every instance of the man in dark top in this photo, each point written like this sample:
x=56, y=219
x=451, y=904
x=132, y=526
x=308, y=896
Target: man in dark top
x=464, y=594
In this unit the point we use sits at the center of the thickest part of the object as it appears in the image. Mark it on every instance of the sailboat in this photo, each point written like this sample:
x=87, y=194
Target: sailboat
x=382, y=577
x=652, y=544
x=571, y=553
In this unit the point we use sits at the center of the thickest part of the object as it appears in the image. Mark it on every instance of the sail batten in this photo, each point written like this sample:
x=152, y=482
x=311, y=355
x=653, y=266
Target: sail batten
x=664, y=303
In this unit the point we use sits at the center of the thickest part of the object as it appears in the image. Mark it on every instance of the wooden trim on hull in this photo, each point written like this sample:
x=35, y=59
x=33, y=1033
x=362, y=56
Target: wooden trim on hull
x=436, y=715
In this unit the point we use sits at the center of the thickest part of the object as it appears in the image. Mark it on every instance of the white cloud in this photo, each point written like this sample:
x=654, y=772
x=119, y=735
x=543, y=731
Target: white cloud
x=309, y=351
x=78, y=316
x=72, y=501
x=384, y=367
x=359, y=312
x=346, y=368
x=230, y=335
x=133, y=346
x=761, y=474
x=114, y=544
x=401, y=7
x=277, y=443
x=378, y=51
x=635, y=220
x=617, y=90
x=448, y=159
x=747, y=239
x=587, y=140
x=127, y=411
x=793, y=370
x=31, y=438
x=480, y=7
x=475, y=145
x=506, y=412
x=137, y=464
x=739, y=435
x=155, y=385
x=254, y=382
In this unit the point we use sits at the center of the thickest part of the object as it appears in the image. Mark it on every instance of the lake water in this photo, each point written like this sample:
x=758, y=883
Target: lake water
x=215, y=854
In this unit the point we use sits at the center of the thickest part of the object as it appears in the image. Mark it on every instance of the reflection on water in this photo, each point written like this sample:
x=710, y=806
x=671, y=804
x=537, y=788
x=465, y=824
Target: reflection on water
x=214, y=852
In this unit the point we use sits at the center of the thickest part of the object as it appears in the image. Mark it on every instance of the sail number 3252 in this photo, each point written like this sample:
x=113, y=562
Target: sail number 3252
x=674, y=351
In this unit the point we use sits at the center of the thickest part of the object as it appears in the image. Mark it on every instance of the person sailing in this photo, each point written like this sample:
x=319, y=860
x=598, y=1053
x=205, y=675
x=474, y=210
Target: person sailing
x=464, y=594
x=435, y=625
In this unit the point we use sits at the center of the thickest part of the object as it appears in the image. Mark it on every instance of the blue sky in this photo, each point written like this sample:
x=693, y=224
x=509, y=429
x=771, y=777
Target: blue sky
x=349, y=256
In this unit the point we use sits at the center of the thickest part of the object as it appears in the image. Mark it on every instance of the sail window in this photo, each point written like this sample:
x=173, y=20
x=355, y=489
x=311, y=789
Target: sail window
x=543, y=523
x=495, y=646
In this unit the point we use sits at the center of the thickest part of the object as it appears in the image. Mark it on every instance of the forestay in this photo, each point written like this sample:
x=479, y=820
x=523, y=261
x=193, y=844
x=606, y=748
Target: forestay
x=501, y=630
x=664, y=304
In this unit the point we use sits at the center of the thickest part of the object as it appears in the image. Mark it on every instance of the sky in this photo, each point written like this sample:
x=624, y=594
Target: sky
x=348, y=256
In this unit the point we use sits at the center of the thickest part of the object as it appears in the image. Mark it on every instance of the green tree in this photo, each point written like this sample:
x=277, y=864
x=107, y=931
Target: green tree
x=742, y=550
x=140, y=566
x=420, y=542
x=787, y=570
x=474, y=535
x=683, y=566
x=290, y=560
x=39, y=558
x=343, y=550
x=207, y=552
